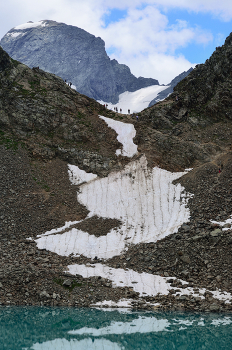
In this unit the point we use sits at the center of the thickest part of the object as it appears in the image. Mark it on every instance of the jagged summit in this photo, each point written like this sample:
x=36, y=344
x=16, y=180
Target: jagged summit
x=75, y=55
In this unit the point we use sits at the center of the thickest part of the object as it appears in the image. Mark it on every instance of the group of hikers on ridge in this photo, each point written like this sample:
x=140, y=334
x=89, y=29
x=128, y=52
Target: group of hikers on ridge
x=120, y=111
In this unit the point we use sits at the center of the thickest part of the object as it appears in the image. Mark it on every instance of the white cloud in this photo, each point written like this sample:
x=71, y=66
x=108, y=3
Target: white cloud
x=159, y=66
x=147, y=44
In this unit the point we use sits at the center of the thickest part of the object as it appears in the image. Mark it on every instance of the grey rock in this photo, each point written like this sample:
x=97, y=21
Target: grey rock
x=214, y=307
x=67, y=283
x=196, y=238
x=185, y=273
x=185, y=259
x=216, y=232
x=44, y=294
x=185, y=227
x=74, y=55
x=219, y=278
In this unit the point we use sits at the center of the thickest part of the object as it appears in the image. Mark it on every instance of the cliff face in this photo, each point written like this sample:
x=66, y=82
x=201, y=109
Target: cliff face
x=74, y=55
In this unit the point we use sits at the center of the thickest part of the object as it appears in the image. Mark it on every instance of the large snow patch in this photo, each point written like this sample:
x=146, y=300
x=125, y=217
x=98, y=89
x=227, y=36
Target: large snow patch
x=149, y=206
x=136, y=101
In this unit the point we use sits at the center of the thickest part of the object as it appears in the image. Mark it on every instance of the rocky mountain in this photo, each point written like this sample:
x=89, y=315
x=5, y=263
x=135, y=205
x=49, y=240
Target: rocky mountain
x=74, y=55
x=163, y=94
x=175, y=228
x=204, y=95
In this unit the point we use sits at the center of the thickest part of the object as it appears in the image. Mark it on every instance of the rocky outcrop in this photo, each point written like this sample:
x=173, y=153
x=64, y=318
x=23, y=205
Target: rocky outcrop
x=202, y=98
x=52, y=119
x=163, y=94
x=74, y=55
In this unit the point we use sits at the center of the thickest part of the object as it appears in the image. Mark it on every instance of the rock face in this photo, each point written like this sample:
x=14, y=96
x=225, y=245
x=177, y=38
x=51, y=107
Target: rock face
x=203, y=97
x=163, y=94
x=74, y=55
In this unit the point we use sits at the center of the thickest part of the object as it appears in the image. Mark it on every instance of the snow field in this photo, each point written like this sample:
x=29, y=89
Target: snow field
x=145, y=284
x=149, y=206
x=126, y=133
x=136, y=101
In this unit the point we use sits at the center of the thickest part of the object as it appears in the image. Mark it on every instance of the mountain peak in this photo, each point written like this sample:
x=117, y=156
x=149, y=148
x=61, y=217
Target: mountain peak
x=73, y=54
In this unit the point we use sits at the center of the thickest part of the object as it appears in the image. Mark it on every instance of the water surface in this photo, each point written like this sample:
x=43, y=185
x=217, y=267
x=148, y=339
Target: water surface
x=87, y=329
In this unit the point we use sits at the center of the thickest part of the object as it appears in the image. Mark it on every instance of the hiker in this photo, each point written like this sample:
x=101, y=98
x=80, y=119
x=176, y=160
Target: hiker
x=137, y=117
x=120, y=110
x=70, y=84
x=65, y=81
x=176, y=98
x=117, y=109
x=219, y=170
x=128, y=111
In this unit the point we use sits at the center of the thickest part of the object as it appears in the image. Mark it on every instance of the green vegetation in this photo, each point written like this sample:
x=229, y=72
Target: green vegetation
x=9, y=143
x=80, y=115
x=34, y=84
x=42, y=184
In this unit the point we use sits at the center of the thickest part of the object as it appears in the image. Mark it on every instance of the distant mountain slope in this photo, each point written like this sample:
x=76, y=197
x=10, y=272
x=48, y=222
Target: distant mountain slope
x=75, y=55
x=164, y=93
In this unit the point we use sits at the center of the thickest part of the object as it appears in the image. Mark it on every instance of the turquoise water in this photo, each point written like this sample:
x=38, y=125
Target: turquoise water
x=87, y=329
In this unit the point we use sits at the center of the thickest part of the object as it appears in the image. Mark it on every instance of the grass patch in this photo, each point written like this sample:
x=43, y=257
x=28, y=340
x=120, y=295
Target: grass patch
x=8, y=142
x=41, y=184
x=80, y=115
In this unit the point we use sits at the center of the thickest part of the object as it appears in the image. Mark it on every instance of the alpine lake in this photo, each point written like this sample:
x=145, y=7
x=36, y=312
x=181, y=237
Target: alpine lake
x=43, y=328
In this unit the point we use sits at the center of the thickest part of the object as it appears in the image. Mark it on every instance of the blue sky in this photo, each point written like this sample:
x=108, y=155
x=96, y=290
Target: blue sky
x=155, y=38
x=195, y=53
x=219, y=29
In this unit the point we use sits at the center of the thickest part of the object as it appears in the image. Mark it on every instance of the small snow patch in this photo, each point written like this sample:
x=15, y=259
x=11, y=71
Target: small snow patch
x=227, y=222
x=30, y=25
x=126, y=133
x=78, y=176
